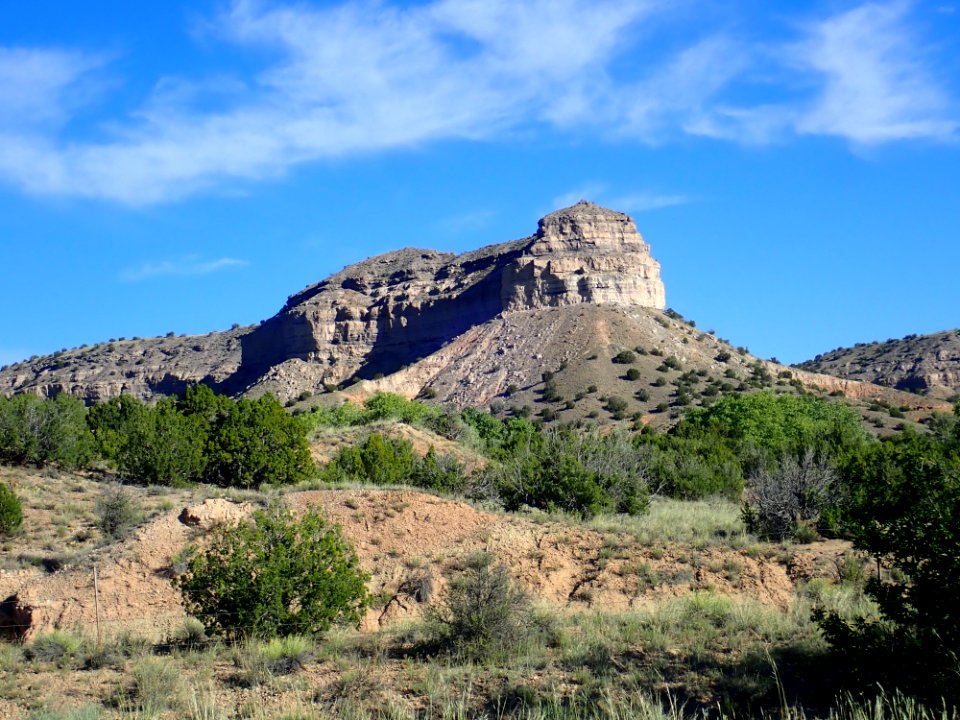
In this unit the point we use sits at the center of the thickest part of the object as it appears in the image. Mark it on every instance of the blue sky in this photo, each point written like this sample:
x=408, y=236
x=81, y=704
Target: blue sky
x=182, y=166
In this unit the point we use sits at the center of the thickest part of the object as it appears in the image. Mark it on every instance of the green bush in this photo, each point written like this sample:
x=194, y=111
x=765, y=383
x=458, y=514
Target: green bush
x=275, y=576
x=691, y=468
x=11, y=511
x=255, y=442
x=42, y=431
x=550, y=391
x=762, y=427
x=624, y=357
x=616, y=405
x=155, y=444
x=903, y=507
x=633, y=374
x=570, y=470
x=438, y=472
x=379, y=460
x=116, y=512
x=484, y=614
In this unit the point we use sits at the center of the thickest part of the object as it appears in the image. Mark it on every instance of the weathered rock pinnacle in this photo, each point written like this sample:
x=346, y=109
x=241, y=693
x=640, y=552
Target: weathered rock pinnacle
x=585, y=253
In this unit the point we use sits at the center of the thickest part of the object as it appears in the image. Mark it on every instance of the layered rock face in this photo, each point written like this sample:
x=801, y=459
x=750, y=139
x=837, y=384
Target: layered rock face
x=373, y=317
x=584, y=254
x=927, y=364
x=389, y=311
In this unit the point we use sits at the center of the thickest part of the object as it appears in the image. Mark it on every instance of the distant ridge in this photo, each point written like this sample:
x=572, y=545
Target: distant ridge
x=566, y=324
x=928, y=364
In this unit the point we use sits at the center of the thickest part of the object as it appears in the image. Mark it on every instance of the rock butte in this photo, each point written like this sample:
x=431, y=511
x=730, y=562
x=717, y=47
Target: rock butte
x=390, y=310
x=373, y=317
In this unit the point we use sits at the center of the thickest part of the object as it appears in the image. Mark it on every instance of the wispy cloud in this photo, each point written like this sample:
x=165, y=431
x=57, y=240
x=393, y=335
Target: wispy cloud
x=40, y=87
x=876, y=85
x=189, y=265
x=636, y=201
x=642, y=202
x=866, y=77
x=362, y=77
x=465, y=222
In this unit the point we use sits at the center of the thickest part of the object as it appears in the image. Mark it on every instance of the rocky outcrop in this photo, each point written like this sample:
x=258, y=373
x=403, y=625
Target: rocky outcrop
x=387, y=312
x=584, y=254
x=141, y=367
x=925, y=364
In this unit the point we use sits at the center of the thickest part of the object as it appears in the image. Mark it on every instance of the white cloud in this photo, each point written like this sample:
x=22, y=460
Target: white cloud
x=591, y=191
x=39, y=87
x=876, y=83
x=363, y=77
x=357, y=77
x=189, y=265
x=644, y=202
x=636, y=201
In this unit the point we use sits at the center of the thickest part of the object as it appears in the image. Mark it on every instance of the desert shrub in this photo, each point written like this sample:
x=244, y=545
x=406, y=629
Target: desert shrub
x=903, y=508
x=57, y=646
x=254, y=442
x=261, y=660
x=438, y=472
x=378, y=459
x=116, y=512
x=562, y=483
x=275, y=576
x=633, y=374
x=762, y=427
x=156, y=686
x=42, y=431
x=759, y=375
x=382, y=406
x=642, y=395
x=574, y=471
x=617, y=406
x=550, y=391
x=690, y=468
x=11, y=511
x=624, y=357
x=484, y=614
x=788, y=500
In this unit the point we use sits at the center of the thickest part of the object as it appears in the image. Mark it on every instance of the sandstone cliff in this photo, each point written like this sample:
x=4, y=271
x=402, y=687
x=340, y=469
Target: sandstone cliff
x=374, y=317
x=384, y=313
x=474, y=329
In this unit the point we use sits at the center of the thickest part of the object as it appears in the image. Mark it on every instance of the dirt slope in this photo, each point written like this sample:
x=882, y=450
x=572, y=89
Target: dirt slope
x=410, y=542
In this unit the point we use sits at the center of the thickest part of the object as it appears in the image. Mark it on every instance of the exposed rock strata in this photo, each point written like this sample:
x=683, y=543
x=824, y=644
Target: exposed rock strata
x=142, y=367
x=374, y=317
x=389, y=311
x=928, y=364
